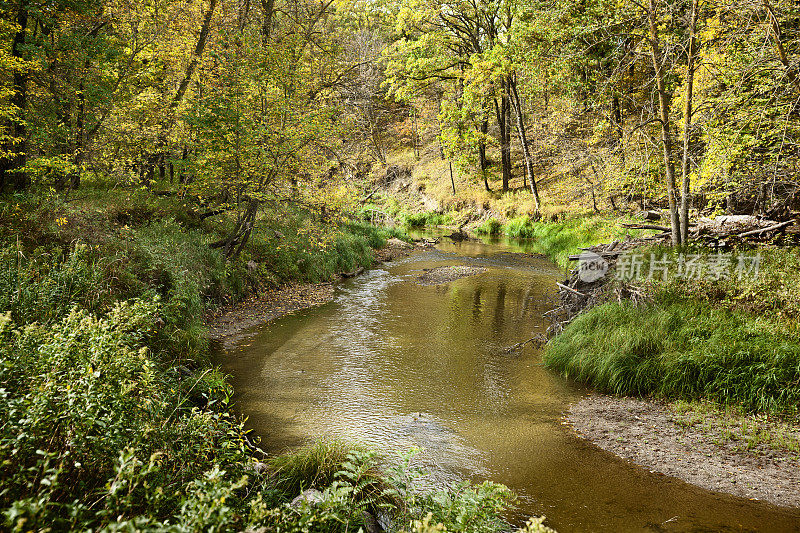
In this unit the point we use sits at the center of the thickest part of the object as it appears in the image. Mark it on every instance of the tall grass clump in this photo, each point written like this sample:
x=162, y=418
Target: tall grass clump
x=682, y=349
x=522, y=227
x=428, y=218
x=490, y=226
x=351, y=480
x=559, y=240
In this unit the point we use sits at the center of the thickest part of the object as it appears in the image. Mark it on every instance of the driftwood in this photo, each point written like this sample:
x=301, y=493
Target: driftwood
x=645, y=226
x=354, y=273
x=604, y=255
x=570, y=289
x=723, y=227
x=537, y=339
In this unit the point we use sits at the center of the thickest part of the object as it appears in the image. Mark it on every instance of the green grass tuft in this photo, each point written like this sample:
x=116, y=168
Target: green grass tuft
x=682, y=349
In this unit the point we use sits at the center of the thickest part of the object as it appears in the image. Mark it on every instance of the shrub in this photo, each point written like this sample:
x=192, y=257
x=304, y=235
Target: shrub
x=80, y=400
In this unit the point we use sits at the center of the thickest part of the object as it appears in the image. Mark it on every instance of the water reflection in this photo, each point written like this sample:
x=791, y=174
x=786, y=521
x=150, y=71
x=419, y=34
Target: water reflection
x=396, y=364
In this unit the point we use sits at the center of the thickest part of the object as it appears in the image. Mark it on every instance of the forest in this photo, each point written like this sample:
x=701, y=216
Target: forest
x=163, y=161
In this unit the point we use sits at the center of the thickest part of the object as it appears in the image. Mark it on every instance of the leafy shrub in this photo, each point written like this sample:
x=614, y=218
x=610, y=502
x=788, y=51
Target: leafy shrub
x=82, y=401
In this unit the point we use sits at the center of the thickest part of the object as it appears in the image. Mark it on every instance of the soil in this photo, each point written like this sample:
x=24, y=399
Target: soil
x=439, y=275
x=228, y=324
x=646, y=433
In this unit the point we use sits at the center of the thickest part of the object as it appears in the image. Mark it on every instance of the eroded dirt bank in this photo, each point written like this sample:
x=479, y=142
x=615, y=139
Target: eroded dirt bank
x=227, y=324
x=651, y=435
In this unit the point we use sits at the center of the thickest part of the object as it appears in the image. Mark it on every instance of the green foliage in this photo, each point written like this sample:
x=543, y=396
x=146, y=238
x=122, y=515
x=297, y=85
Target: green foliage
x=427, y=218
x=94, y=429
x=491, y=226
x=559, y=240
x=351, y=483
x=682, y=349
x=773, y=295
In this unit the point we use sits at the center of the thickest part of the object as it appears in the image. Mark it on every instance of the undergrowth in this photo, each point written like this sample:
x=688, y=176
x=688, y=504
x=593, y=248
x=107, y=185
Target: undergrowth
x=681, y=348
x=113, y=418
x=559, y=240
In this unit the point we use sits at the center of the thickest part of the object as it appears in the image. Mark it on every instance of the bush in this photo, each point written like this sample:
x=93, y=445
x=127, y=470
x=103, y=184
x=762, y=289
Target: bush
x=83, y=405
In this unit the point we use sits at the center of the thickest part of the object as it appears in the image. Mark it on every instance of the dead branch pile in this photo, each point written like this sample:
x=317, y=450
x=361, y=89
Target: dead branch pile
x=731, y=229
x=576, y=295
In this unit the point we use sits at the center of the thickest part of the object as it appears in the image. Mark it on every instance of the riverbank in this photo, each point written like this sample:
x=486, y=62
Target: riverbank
x=704, y=374
x=114, y=415
x=226, y=324
x=710, y=451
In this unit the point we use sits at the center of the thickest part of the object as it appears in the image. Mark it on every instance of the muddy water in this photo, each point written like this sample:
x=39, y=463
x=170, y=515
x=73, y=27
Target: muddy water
x=395, y=364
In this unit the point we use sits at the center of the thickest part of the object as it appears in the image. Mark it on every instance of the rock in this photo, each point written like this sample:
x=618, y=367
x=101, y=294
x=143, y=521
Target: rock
x=252, y=266
x=370, y=524
x=257, y=468
x=310, y=497
x=430, y=204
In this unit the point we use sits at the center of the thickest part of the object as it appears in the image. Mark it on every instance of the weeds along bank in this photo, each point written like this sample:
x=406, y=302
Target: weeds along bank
x=732, y=340
x=560, y=239
x=113, y=417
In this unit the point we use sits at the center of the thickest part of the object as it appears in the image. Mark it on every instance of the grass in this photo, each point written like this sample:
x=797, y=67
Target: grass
x=682, y=349
x=559, y=240
x=429, y=218
x=311, y=466
x=730, y=425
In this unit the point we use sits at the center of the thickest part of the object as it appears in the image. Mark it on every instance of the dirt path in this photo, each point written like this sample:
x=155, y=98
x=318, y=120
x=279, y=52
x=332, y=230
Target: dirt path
x=651, y=435
x=227, y=324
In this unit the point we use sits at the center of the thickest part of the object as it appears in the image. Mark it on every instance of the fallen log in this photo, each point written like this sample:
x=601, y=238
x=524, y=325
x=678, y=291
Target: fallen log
x=645, y=226
x=615, y=253
x=649, y=215
x=764, y=230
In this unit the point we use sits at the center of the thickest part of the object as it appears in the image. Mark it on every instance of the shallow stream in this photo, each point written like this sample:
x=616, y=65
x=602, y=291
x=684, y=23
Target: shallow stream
x=396, y=364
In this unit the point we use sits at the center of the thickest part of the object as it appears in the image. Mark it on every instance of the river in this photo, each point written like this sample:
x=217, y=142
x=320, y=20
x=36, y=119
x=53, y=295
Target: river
x=395, y=364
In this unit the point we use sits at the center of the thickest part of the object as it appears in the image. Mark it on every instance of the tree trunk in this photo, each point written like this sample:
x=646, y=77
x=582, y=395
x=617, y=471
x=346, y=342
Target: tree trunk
x=198, y=53
x=780, y=51
x=502, y=112
x=523, y=140
x=666, y=136
x=16, y=147
x=234, y=243
x=268, y=8
x=169, y=120
x=687, y=123
x=80, y=136
x=482, y=155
